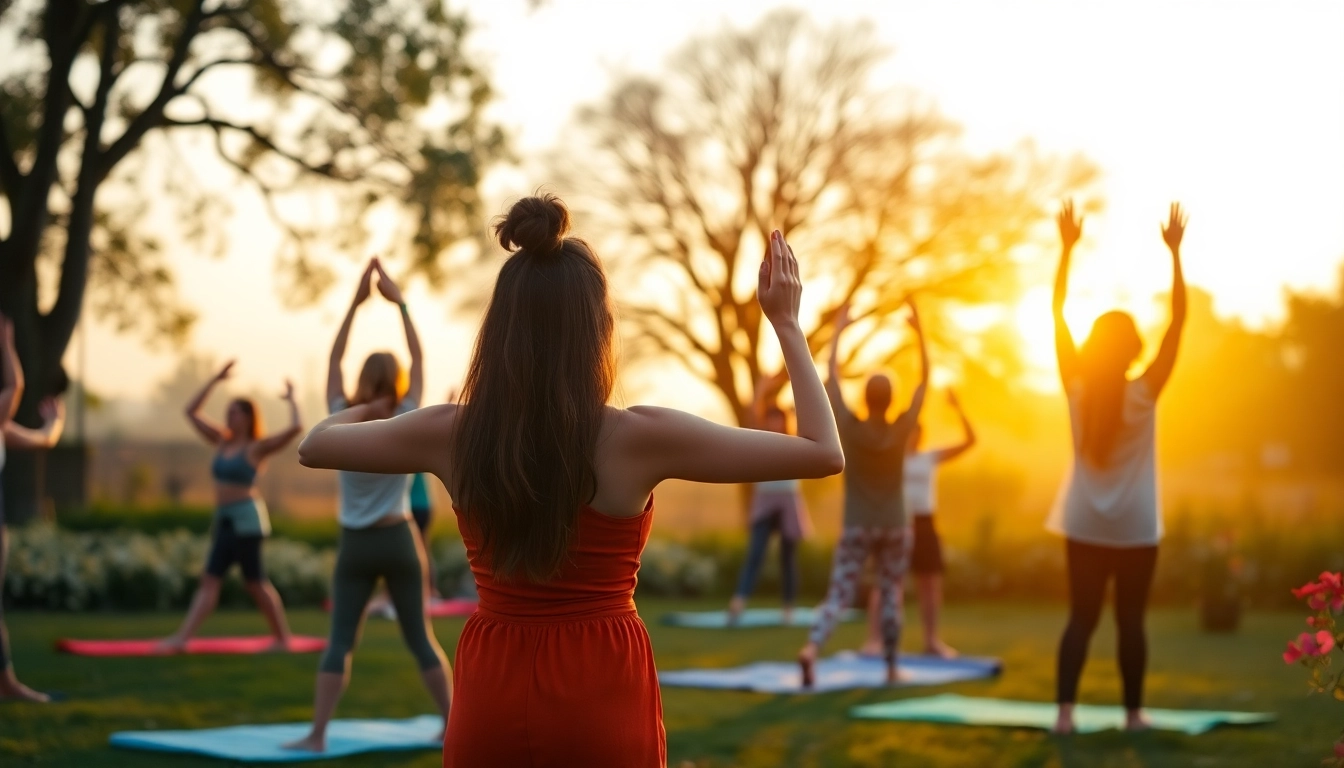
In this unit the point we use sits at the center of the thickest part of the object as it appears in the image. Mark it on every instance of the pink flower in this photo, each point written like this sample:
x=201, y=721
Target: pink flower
x=1308, y=589
x=1339, y=749
x=1333, y=581
x=1311, y=621
x=1308, y=644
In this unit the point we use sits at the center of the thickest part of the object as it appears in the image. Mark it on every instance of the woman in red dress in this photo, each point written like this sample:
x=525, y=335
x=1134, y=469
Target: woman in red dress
x=554, y=498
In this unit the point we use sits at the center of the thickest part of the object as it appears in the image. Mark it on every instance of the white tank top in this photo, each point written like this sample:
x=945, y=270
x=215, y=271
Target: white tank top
x=1115, y=505
x=920, y=483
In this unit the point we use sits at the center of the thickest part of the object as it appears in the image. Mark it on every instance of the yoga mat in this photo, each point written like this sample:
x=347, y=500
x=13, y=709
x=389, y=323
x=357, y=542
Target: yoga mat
x=840, y=672
x=752, y=617
x=1088, y=718
x=196, y=645
x=261, y=743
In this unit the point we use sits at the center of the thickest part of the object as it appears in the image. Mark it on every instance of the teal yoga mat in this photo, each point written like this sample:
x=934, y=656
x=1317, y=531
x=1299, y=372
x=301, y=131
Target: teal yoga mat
x=752, y=617
x=966, y=710
x=261, y=743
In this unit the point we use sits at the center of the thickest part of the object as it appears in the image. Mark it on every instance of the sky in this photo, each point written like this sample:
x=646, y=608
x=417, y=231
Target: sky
x=1235, y=109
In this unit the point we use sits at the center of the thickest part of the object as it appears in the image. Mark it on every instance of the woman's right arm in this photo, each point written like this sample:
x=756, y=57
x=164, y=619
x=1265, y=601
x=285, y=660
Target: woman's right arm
x=212, y=432
x=11, y=386
x=1070, y=229
x=335, y=381
x=671, y=444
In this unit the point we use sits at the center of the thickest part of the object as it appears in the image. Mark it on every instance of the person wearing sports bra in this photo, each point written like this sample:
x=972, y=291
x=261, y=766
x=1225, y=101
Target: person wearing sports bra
x=241, y=521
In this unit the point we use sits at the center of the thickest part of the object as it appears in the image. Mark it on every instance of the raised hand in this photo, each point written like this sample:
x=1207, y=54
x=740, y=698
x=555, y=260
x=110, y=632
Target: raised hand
x=1174, y=229
x=225, y=372
x=952, y=399
x=1070, y=228
x=842, y=318
x=778, y=289
x=386, y=287
x=363, y=291
x=289, y=391
x=913, y=320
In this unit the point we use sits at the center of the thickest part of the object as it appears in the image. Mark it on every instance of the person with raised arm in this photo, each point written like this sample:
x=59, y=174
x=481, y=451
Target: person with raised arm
x=926, y=556
x=379, y=540
x=1108, y=510
x=776, y=506
x=20, y=437
x=554, y=497
x=241, y=521
x=875, y=523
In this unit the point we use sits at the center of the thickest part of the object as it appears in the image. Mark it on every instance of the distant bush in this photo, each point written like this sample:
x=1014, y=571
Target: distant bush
x=319, y=532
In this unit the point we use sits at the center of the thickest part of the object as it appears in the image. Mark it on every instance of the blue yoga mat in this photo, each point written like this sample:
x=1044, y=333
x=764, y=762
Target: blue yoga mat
x=261, y=743
x=1088, y=718
x=840, y=672
x=752, y=617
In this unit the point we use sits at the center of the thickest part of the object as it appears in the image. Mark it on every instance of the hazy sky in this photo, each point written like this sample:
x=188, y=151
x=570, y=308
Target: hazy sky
x=1236, y=109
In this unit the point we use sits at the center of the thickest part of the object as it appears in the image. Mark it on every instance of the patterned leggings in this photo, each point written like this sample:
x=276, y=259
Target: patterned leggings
x=890, y=548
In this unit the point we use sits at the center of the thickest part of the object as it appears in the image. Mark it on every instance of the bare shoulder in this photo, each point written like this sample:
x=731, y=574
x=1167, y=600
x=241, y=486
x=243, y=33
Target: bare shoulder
x=639, y=425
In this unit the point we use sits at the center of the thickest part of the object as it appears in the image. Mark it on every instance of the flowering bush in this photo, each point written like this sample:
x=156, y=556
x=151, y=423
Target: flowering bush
x=669, y=569
x=1312, y=649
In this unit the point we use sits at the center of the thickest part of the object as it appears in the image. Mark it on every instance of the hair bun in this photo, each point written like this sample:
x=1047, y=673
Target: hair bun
x=534, y=224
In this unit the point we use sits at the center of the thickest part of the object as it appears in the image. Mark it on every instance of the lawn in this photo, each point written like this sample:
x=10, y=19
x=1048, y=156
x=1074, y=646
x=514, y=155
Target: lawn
x=1187, y=669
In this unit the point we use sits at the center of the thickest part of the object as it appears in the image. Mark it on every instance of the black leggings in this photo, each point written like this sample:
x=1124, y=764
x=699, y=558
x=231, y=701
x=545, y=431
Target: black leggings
x=1090, y=567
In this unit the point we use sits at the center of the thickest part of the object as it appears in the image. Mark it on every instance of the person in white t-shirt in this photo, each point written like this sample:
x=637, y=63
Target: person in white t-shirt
x=926, y=558
x=1107, y=509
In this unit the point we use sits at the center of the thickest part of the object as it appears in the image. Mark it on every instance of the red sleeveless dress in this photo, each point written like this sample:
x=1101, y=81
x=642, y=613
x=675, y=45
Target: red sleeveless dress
x=560, y=674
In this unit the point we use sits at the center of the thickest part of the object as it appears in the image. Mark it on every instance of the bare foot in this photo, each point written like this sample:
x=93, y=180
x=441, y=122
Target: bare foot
x=735, y=608
x=1064, y=722
x=313, y=742
x=170, y=646
x=278, y=645
x=872, y=648
x=896, y=675
x=787, y=615
x=940, y=649
x=12, y=690
x=1136, y=721
x=807, y=662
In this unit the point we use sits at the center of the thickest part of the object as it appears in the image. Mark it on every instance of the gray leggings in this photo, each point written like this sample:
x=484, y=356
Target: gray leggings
x=365, y=555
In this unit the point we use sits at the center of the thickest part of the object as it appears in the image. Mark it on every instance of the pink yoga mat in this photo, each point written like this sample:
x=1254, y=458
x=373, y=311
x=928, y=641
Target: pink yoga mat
x=198, y=645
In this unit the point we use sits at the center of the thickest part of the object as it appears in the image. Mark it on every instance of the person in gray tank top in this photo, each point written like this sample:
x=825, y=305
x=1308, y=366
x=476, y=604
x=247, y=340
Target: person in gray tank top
x=875, y=523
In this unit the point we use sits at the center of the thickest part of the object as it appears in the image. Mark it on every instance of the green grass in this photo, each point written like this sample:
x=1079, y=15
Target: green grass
x=1187, y=669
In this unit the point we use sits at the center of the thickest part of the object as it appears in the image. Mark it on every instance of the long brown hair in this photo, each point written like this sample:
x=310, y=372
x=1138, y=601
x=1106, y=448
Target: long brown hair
x=249, y=408
x=534, y=395
x=1103, y=362
x=381, y=376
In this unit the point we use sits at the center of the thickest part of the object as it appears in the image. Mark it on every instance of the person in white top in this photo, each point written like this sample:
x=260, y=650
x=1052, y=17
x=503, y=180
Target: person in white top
x=1107, y=509
x=776, y=506
x=926, y=558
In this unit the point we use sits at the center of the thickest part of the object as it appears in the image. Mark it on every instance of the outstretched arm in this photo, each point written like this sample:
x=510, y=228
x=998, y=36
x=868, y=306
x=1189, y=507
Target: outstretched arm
x=335, y=381
x=917, y=399
x=967, y=431
x=275, y=441
x=1160, y=370
x=211, y=431
x=11, y=386
x=53, y=421
x=1070, y=229
x=392, y=293
x=833, y=393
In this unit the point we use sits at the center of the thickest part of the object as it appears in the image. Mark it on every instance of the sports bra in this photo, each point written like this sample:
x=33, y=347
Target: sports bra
x=234, y=470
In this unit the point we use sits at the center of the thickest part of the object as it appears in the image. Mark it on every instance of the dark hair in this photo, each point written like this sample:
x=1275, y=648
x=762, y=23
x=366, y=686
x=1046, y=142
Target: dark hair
x=1103, y=362
x=534, y=395
x=249, y=407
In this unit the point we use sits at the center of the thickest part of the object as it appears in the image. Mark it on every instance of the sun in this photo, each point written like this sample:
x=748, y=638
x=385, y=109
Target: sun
x=1034, y=322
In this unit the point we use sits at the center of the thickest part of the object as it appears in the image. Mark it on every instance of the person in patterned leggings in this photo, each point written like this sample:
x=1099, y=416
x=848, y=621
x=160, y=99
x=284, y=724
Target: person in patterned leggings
x=875, y=523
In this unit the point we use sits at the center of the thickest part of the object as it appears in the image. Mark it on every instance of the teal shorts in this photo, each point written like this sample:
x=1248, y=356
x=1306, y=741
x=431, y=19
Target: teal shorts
x=248, y=517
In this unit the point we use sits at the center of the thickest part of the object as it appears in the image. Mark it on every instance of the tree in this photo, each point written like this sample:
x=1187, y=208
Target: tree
x=778, y=126
x=341, y=116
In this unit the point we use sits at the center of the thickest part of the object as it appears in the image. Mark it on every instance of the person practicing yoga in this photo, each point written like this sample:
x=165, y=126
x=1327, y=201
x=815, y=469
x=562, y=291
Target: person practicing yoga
x=378, y=539
x=926, y=557
x=776, y=506
x=553, y=491
x=241, y=520
x=875, y=523
x=1108, y=508
x=19, y=437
